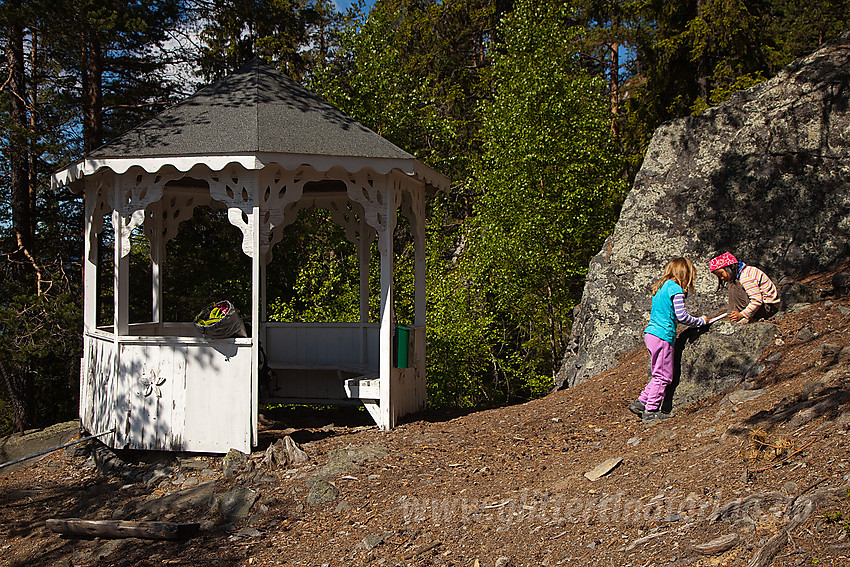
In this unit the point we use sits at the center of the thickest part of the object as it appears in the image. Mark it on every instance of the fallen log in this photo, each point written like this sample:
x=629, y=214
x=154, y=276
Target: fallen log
x=122, y=529
x=718, y=545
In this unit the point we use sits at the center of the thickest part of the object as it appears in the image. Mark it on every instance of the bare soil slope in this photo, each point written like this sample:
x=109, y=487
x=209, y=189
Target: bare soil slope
x=753, y=477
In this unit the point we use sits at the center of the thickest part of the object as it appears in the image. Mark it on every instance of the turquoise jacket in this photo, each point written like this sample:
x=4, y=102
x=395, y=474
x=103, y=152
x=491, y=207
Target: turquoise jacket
x=662, y=318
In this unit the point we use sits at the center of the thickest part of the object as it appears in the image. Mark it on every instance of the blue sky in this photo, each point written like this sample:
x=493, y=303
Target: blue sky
x=343, y=4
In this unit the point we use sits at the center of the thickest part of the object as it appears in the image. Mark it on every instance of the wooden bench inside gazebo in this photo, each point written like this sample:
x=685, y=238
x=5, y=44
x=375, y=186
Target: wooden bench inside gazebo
x=264, y=148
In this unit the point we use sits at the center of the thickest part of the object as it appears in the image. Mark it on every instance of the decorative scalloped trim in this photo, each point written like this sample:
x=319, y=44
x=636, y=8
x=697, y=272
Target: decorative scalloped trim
x=353, y=165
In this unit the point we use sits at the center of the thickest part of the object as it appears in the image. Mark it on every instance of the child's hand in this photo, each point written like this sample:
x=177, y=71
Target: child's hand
x=735, y=316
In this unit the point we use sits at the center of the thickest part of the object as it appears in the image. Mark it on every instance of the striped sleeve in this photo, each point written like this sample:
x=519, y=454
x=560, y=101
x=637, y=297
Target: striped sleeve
x=759, y=289
x=682, y=314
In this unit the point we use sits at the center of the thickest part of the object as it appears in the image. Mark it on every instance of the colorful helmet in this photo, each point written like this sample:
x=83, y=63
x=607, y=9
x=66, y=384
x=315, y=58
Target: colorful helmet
x=725, y=259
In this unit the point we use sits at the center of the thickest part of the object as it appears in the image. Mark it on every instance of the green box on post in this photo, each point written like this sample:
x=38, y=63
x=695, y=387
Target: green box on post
x=401, y=346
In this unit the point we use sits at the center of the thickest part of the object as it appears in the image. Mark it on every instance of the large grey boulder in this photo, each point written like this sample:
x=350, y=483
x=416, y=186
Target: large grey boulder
x=712, y=360
x=765, y=175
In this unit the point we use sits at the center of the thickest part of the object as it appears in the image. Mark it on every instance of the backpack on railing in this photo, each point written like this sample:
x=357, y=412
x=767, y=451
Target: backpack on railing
x=220, y=320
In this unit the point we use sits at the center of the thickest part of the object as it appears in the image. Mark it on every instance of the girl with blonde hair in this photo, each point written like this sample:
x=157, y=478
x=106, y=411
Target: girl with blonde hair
x=668, y=308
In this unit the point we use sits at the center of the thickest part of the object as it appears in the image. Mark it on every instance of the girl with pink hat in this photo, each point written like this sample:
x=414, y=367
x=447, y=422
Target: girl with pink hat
x=752, y=296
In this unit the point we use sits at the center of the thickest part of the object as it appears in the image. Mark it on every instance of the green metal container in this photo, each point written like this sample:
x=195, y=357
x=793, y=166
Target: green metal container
x=401, y=346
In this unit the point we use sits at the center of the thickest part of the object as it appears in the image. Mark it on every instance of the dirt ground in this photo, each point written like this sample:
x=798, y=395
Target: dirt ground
x=507, y=486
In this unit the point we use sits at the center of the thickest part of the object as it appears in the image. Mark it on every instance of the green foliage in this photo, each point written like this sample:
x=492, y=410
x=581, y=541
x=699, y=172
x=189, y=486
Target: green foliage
x=204, y=263
x=691, y=55
x=412, y=72
x=7, y=419
x=460, y=328
x=315, y=273
x=548, y=176
x=41, y=346
x=527, y=134
x=837, y=517
x=291, y=34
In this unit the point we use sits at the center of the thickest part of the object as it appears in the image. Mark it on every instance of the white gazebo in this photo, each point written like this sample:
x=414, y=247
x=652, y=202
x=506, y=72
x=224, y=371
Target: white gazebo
x=265, y=148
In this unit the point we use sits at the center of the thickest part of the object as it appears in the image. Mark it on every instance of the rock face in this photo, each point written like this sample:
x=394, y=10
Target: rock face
x=711, y=360
x=766, y=176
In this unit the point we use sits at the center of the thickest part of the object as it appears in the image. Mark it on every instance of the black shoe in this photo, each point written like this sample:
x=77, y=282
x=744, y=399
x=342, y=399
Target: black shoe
x=637, y=408
x=653, y=416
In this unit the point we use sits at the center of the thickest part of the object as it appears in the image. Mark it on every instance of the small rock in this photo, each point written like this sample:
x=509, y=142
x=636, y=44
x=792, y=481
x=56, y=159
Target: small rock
x=844, y=355
x=232, y=461
x=790, y=487
x=602, y=469
x=757, y=370
x=236, y=503
x=154, y=477
x=841, y=284
x=343, y=506
x=805, y=334
x=245, y=532
x=799, y=307
x=372, y=541
x=503, y=562
x=634, y=441
x=811, y=389
x=830, y=350
x=322, y=492
x=801, y=418
x=192, y=465
x=741, y=396
x=708, y=431
x=197, y=496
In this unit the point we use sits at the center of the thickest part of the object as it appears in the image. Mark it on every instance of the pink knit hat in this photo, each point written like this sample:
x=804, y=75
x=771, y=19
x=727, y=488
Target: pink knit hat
x=725, y=259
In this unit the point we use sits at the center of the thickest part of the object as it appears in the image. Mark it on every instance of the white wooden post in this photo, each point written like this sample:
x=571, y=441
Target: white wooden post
x=121, y=276
x=256, y=294
x=90, y=258
x=420, y=388
x=90, y=262
x=120, y=311
x=363, y=254
x=387, y=411
x=157, y=247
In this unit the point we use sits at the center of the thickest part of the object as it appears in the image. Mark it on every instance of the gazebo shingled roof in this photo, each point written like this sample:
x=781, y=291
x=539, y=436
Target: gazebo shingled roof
x=259, y=112
x=256, y=109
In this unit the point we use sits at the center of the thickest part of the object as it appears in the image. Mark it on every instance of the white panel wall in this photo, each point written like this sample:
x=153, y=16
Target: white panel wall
x=173, y=395
x=322, y=345
x=97, y=385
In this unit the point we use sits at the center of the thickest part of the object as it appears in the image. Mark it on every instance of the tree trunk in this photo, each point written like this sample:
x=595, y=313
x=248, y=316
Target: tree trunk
x=33, y=158
x=615, y=87
x=122, y=529
x=91, y=67
x=22, y=218
x=17, y=390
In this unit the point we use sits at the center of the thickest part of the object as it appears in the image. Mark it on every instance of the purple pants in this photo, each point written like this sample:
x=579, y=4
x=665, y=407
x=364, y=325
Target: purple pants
x=661, y=368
